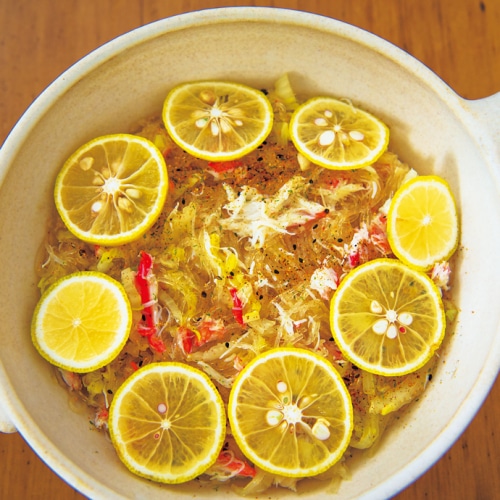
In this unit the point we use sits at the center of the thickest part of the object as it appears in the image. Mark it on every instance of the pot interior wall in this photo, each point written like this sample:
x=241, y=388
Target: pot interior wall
x=130, y=84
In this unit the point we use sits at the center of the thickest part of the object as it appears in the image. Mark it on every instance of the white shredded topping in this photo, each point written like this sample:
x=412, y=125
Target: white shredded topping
x=256, y=216
x=440, y=274
x=324, y=280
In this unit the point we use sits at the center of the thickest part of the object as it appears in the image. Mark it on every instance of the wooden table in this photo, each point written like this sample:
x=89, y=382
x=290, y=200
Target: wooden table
x=458, y=39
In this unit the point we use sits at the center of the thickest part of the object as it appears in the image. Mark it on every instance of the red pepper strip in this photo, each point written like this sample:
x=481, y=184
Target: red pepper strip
x=224, y=166
x=188, y=339
x=103, y=414
x=141, y=278
x=228, y=460
x=207, y=331
x=237, y=306
x=354, y=259
x=335, y=352
x=156, y=343
x=313, y=217
x=148, y=327
x=334, y=183
x=378, y=234
x=101, y=419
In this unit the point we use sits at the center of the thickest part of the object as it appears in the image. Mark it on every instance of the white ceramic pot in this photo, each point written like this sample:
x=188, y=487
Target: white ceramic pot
x=432, y=129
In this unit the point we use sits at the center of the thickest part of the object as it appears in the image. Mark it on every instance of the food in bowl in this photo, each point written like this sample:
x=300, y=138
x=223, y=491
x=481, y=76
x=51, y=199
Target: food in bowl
x=259, y=272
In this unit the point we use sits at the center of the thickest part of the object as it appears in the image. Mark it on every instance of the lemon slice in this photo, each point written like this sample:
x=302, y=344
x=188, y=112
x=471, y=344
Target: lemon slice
x=112, y=189
x=422, y=222
x=387, y=318
x=337, y=135
x=291, y=413
x=82, y=321
x=167, y=422
x=217, y=121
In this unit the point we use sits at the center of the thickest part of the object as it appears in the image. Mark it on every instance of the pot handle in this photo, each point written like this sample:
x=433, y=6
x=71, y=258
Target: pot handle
x=487, y=113
x=6, y=424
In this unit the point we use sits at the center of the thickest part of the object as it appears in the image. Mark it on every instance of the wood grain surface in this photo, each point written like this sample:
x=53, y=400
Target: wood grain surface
x=458, y=39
